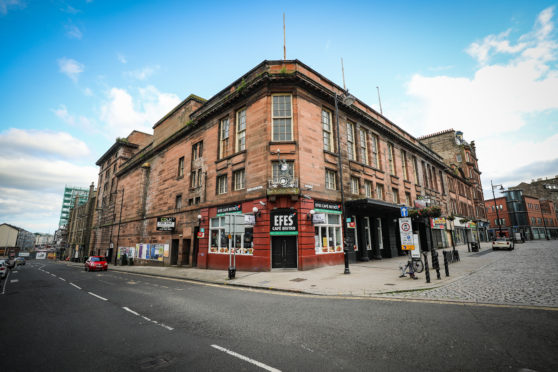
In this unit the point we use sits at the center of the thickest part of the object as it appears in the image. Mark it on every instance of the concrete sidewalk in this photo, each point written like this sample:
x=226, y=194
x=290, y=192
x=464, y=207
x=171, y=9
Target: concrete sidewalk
x=371, y=278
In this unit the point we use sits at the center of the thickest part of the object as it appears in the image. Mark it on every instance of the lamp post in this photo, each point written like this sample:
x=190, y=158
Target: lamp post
x=119, y=222
x=495, y=206
x=348, y=100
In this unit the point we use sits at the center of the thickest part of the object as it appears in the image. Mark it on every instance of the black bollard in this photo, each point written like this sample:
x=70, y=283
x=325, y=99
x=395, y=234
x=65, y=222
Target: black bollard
x=446, y=265
x=346, y=252
x=426, y=271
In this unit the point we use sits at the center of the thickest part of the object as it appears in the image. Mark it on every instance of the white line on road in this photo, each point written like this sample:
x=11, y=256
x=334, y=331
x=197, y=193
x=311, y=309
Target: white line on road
x=93, y=294
x=130, y=310
x=75, y=285
x=5, y=282
x=167, y=327
x=245, y=358
x=14, y=280
x=61, y=278
x=146, y=318
x=52, y=274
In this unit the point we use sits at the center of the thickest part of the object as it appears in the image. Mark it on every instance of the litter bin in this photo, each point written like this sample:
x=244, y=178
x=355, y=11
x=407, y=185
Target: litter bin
x=474, y=246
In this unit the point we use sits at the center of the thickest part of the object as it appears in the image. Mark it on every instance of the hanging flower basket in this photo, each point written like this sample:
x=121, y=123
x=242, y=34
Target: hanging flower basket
x=434, y=211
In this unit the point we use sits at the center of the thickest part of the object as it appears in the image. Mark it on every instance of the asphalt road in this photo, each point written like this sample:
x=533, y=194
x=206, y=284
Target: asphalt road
x=57, y=317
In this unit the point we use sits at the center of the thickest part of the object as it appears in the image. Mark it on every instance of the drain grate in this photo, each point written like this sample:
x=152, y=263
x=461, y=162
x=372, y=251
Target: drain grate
x=298, y=280
x=155, y=362
x=389, y=284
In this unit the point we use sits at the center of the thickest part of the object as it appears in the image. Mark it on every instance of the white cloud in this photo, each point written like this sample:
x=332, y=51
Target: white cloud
x=73, y=32
x=88, y=92
x=5, y=4
x=142, y=73
x=47, y=143
x=80, y=122
x=499, y=97
x=70, y=68
x=123, y=113
x=34, y=168
x=122, y=58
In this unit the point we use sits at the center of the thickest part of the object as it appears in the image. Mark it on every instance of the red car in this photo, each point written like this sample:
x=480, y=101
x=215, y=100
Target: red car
x=96, y=263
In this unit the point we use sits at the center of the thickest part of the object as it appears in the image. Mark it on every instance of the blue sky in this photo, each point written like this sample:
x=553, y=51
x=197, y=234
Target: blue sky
x=74, y=75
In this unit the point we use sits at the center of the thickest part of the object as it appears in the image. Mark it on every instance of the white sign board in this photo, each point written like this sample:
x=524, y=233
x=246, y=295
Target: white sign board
x=406, y=231
x=415, y=253
x=234, y=224
x=40, y=255
x=319, y=219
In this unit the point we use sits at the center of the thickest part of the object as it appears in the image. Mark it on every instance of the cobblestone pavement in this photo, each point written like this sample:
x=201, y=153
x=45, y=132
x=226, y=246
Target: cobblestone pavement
x=527, y=275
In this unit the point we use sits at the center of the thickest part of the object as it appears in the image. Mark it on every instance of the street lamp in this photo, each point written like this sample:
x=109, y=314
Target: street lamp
x=495, y=206
x=347, y=100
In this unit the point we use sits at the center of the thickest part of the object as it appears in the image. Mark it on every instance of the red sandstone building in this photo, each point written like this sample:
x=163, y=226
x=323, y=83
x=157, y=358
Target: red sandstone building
x=265, y=147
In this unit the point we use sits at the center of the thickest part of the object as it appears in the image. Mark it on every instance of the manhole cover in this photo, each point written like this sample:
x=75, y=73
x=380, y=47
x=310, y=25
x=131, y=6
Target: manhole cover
x=155, y=362
x=298, y=280
x=389, y=284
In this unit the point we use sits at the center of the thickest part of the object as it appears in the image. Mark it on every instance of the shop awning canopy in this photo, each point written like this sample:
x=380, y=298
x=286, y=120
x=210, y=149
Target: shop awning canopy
x=372, y=205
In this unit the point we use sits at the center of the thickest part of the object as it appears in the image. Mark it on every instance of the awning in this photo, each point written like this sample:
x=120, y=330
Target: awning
x=370, y=205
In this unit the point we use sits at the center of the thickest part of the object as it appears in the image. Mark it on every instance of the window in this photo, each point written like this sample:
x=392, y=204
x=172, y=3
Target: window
x=282, y=116
x=223, y=137
x=404, y=165
x=458, y=157
x=222, y=184
x=181, y=167
x=331, y=180
x=395, y=195
x=178, y=202
x=241, y=130
x=197, y=200
x=368, y=189
x=114, y=169
x=467, y=157
x=282, y=169
x=379, y=191
x=351, y=141
x=391, y=159
x=442, y=182
x=196, y=178
x=363, y=147
x=408, y=199
x=219, y=244
x=197, y=150
x=415, y=165
x=355, y=187
x=327, y=236
x=238, y=177
x=327, y=130
x=375, y=154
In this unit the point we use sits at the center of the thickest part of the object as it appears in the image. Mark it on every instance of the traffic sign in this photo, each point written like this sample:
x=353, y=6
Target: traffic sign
x=404, y=212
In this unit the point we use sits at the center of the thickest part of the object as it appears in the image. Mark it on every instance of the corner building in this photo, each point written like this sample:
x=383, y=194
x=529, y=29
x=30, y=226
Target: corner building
x=264, y=147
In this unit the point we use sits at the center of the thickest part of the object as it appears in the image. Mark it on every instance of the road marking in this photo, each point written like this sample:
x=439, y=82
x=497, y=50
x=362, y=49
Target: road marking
x=130, y=311
x=53, y=275
x=167, y=327
x=75, y=285
x=61, y=278
x=93, y=294
x=146, y=318
x=14, y=280
x=5, y=282
x=245, y=358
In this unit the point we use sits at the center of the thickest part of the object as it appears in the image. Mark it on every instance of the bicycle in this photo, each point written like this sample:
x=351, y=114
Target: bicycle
x=415, y=265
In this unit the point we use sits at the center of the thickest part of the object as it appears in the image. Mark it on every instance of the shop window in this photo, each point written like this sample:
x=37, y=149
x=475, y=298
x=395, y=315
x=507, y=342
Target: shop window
x=327, y=236
x=219, y=243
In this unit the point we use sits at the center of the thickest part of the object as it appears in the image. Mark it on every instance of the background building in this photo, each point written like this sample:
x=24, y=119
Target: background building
x=69, y=200
x=15, y=239
x=79, y=228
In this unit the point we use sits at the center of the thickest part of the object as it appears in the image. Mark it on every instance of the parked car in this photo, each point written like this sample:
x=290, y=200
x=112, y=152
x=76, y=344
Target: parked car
x=96, y=263
x=19, y=261
x=502, y=243
x=3, y=269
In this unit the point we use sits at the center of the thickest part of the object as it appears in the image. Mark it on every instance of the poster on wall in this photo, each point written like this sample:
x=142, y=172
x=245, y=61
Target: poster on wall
x=166, y=254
